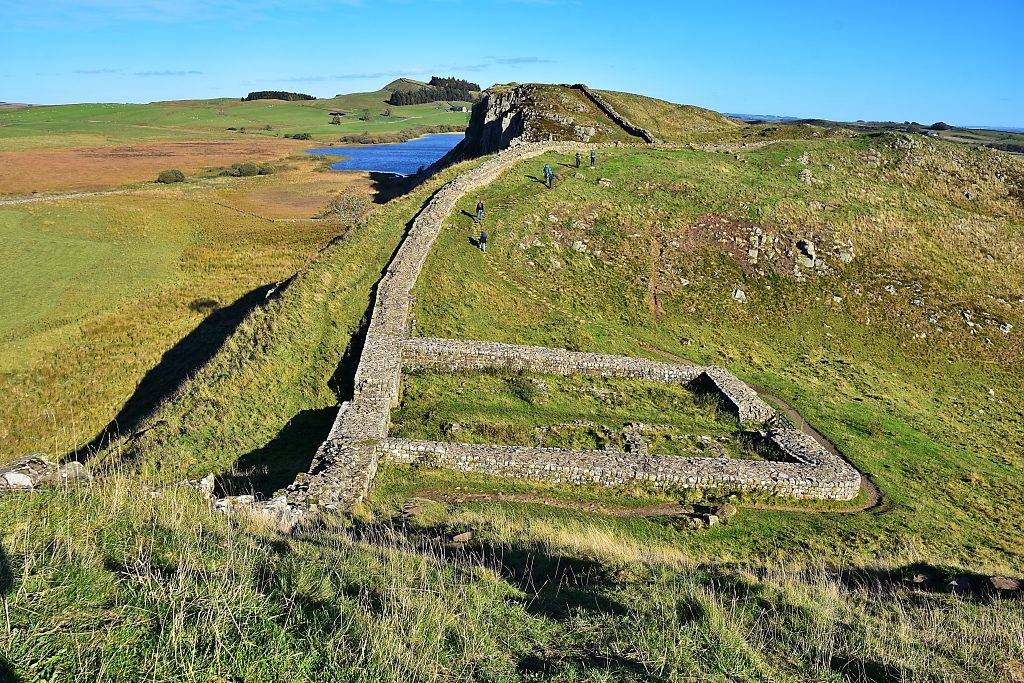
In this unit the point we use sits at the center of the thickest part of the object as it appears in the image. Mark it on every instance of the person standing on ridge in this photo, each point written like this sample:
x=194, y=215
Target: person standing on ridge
x=483, y=241
x=593, y=158
x=480, y=211
x=579, y=157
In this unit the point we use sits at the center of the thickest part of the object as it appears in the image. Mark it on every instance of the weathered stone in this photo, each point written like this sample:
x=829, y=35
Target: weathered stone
x=464, y=537
x=739, y=295
x=17, y=480
x=1001, y=583
x=73, y=471
x=726, y=511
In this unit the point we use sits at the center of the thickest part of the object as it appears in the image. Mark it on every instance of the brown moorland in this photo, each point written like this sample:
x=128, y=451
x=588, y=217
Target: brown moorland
x=90, y=169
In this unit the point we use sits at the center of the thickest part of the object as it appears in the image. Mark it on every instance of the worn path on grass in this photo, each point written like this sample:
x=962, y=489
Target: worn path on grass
x=659, y=510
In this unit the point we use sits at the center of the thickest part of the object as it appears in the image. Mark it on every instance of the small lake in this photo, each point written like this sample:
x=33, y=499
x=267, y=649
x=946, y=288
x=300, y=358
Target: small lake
x=403, y=158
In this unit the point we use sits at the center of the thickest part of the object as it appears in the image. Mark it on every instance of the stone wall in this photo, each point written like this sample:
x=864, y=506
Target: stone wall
x=830, y=479
x=454, y=354
x=346, y=463
x=625, y=123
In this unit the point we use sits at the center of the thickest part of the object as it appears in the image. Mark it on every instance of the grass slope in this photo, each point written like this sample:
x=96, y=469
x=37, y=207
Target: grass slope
x=669, y=122
x=289, y=353
x=898, y=357
x=111, y=299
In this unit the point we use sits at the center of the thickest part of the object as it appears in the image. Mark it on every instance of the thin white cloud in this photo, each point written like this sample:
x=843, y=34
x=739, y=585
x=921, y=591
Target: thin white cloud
x=380, y=74
x=525, y=60
x=168, y=73
x=95, y=71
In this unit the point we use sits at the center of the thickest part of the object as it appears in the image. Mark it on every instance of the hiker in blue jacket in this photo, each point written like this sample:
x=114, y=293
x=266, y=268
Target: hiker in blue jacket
x=593, y=158
x=483, y=241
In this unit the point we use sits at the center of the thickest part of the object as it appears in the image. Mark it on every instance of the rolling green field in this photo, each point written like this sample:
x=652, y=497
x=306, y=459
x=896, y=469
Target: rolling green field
x=110, y=301
x=899, y=341
x=110, y=124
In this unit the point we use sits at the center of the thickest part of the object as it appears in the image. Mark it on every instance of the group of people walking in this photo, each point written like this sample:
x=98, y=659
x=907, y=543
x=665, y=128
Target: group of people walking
x=549, y=178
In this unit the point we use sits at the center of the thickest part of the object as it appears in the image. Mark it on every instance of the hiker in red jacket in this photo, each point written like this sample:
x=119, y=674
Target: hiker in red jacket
x=479, y=211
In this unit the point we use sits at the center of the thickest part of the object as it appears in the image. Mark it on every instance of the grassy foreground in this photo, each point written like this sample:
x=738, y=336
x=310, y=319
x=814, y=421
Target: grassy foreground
x=907, y=357
x=116, y=585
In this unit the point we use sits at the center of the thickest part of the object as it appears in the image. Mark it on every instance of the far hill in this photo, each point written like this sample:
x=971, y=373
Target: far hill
x=405, y=85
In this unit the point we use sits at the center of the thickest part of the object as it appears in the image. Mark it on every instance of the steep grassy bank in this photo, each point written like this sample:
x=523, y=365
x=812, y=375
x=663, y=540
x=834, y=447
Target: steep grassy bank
x=266, y=399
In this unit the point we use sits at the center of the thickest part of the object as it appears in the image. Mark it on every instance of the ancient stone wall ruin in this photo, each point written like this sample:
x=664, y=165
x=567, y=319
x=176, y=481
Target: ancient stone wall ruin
x=615, y=116
x=344, y=467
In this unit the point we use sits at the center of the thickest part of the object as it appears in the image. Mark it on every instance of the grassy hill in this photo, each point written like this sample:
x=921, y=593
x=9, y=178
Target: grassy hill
x=899, y=341
x=669, y=122
x=905, y=356
x=109, y=124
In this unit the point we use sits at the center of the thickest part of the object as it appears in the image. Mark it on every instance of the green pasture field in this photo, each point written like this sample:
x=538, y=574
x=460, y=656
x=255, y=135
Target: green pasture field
x=110, y=300
x=108, y=124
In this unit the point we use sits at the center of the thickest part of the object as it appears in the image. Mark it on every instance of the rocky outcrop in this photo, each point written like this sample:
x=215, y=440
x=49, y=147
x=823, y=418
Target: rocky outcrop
x=30, y=472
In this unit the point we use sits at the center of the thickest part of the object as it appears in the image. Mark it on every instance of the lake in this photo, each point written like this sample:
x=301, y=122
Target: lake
x=403, y=158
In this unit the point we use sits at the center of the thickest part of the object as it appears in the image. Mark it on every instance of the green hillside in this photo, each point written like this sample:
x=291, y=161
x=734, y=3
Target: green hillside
x=107, y=124
x=669, y=122
x=875, y=282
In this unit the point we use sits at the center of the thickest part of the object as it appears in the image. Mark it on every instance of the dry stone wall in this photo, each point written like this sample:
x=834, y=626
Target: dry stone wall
x=454, y=354
x=830, y=479
x=618, y=118
x=344, y=467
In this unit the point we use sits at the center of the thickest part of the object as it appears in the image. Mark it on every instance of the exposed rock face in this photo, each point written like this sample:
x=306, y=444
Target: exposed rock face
x=509, y=116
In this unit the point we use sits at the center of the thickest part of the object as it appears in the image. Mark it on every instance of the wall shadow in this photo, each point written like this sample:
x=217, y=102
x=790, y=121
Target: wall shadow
x=387, y=186
x=268, y=469
x=7, y=672
x=178, y=363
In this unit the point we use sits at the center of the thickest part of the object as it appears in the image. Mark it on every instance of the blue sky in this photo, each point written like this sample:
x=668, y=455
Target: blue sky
x=922, y=61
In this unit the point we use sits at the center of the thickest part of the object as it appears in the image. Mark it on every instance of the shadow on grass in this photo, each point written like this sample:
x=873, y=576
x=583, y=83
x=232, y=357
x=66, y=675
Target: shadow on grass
x=268, y=469
x=7, y=672
x=387, y=186
x=178, y=363
x=866, y=671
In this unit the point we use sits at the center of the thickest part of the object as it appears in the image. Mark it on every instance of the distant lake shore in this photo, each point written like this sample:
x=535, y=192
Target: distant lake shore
x=402, y=158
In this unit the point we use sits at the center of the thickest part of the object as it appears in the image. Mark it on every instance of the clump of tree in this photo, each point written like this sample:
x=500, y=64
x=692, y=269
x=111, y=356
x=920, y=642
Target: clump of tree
x=170, y=176
x=454, y=82
x=386, y=137
x=348, y=208
x=299, y=136
x=444, y=93
x=249, y=169
x=276, y=95
x=1008, y=147
x=940, y=125
x=336, y=120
